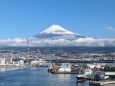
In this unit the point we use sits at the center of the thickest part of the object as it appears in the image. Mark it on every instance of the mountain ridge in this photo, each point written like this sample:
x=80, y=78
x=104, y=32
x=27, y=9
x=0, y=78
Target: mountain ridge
x=58, y=32
x=56, y=29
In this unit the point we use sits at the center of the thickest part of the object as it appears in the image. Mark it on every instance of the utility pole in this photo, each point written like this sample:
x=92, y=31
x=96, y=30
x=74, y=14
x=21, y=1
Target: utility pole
x=28, y=46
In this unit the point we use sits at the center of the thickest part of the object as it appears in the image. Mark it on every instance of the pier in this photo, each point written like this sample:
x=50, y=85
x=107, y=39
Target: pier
x=81, y=61
x=101, y=83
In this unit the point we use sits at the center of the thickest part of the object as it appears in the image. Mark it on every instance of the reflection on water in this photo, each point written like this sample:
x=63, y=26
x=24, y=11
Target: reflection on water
x=86, y=83
x=64, y=76
x=7, y=69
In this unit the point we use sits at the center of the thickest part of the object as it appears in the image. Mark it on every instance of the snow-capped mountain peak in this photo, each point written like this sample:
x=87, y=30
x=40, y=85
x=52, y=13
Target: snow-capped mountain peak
x=57, y=32
x=56, y=29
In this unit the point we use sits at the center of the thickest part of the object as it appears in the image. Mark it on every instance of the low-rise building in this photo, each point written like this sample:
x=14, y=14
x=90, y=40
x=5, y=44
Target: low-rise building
x=2, y=61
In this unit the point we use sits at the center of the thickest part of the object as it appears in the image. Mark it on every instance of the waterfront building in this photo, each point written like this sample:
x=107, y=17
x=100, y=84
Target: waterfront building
x=2, y=61
x=16, y=62
x=21, y=62
x=8, y=60
x=34, y=62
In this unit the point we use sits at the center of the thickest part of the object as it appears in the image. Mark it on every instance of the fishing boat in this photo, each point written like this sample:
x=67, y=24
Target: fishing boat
x=80, y=78
x=86, y=76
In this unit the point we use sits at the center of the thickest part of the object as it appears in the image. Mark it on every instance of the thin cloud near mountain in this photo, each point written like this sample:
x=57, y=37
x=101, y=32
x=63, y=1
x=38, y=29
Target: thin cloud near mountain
x=60, y=42
x=110, y=28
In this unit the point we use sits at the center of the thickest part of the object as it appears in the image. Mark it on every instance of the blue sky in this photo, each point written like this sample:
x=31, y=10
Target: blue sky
x=23, y=18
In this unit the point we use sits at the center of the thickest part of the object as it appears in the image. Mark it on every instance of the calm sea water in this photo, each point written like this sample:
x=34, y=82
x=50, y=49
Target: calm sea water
x=36, y=77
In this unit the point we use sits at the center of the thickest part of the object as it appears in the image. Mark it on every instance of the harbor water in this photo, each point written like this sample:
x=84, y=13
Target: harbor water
x=37, y=76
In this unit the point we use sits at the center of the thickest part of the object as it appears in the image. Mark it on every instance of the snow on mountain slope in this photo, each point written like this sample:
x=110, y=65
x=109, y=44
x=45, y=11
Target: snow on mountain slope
x=56, y=29
x=57, y=32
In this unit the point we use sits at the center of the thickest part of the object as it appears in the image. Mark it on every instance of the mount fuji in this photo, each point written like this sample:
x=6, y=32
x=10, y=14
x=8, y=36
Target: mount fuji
x=56, y=35
x=58, y=32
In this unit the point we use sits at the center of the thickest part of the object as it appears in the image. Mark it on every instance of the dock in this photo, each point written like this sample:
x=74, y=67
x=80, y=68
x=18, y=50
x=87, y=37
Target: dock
x=101, y=83
x=64, y=72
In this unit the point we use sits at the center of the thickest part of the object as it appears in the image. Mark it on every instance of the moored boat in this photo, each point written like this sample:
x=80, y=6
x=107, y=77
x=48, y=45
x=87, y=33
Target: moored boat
x=86, y=76
x=80, y=78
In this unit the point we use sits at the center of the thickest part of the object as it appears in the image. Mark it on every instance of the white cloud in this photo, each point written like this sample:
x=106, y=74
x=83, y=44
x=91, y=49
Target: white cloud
x=13, y=42
x=110, y=28
x=58, y=42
